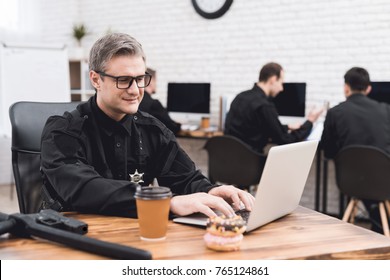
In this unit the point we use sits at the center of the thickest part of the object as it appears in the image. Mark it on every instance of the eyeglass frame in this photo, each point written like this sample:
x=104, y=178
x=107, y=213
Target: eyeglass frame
x=116, y=78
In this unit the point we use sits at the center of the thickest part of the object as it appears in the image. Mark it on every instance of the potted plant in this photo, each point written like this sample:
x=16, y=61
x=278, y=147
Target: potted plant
x=79, y=31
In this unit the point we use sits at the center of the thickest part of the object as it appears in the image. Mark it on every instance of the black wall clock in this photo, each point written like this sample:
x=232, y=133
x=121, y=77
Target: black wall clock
x=211, y=9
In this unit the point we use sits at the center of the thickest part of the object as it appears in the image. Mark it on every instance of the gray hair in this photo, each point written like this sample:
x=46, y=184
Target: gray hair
x=111, y=45
x=151, y=71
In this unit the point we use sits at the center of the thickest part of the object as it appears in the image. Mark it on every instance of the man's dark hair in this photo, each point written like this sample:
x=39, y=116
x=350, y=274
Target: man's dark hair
x=357, y=78
x=151, y=71
x=269, y=70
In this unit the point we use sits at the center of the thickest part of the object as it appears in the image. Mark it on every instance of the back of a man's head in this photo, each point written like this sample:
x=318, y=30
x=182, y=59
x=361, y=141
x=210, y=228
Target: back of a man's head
x=151, y=88
x=357, y=79
x=269, y=70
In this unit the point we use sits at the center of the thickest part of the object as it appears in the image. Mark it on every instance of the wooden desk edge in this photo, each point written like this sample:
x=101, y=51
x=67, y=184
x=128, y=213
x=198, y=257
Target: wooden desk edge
x=299, y=248
x=201, y=134
x=381, y=253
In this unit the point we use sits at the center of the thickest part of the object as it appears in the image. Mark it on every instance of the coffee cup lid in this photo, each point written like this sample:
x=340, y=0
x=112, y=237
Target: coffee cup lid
x=153, y=193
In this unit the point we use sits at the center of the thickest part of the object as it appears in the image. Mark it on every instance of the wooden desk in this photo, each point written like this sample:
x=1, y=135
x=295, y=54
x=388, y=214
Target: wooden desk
x=304, y=234
x=202, y=134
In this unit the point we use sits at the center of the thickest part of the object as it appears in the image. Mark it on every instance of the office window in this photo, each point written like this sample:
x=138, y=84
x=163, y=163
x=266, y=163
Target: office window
x=9, y=14
x=19, y=18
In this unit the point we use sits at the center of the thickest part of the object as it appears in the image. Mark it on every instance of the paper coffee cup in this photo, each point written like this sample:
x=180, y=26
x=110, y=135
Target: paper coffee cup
x=205, y=122
x=153, y=205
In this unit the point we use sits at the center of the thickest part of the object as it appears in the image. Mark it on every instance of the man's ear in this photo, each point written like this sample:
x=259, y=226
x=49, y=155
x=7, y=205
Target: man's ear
x=347, y=90
x=95, y=79
x=368, y=90
x=272, y=80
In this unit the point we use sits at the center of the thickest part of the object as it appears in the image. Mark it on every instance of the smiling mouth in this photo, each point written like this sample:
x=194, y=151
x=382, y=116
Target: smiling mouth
x=131, y=100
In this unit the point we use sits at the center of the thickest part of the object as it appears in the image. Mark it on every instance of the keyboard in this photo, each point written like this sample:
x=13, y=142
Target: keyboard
x=200, y=219
x=190, y=127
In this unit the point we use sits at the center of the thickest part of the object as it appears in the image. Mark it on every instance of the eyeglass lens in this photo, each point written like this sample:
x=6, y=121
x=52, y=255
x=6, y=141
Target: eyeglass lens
x=126, y=82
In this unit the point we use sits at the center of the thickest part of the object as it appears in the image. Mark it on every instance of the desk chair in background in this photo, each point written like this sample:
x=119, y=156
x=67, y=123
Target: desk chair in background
x=28, y=120
x=363, y=172
x=231, y=161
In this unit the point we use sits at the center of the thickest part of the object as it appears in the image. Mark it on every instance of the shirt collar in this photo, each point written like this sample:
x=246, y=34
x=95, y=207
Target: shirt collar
x=258, y=89
x=108, y=125
x=355, y=95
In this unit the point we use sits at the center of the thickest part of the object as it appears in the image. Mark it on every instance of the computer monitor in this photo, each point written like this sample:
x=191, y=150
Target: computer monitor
x=188, y=102
x=380, y=91
x=291, y=101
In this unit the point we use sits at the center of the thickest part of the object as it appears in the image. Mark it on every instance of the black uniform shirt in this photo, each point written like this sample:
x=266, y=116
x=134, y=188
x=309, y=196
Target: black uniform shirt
x=87, y=160
x=156, y=109
x=357, y=121
x=254, y=119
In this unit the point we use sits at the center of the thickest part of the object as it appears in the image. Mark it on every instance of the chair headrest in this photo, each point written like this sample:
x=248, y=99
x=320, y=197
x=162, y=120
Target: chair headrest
x=28, y=120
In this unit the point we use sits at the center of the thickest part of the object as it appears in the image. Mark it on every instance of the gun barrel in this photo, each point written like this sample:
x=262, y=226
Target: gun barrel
x=3, y=217
x=7, y=226
x=111, y=250
x=54, y=219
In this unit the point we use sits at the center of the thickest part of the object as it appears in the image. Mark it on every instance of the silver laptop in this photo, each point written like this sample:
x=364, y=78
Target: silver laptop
x=280, y=188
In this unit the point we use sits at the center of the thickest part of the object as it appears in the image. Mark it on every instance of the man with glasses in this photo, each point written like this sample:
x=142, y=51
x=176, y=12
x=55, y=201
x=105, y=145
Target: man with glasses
x=93, y=158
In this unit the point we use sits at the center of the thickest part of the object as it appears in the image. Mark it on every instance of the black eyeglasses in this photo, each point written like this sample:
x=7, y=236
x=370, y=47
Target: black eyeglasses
x=124, y=82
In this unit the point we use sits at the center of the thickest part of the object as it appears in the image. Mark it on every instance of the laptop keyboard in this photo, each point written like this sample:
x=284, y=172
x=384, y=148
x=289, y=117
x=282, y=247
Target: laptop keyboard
x=244, y=214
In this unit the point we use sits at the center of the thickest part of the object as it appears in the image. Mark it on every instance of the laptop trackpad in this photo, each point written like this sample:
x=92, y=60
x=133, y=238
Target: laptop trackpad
x=200, y=219
x=197, y=219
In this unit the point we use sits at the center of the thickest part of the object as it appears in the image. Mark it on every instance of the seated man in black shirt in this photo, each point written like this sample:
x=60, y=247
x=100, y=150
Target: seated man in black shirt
x=358, y=120
x=90, y=156
x=253, y=118
x=154, y=107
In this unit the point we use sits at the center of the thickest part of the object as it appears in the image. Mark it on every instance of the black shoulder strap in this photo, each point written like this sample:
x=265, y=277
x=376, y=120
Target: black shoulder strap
x=75, y=113
x=77, y=122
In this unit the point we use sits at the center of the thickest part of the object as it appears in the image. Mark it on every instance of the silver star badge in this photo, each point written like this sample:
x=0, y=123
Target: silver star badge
x=136, y=177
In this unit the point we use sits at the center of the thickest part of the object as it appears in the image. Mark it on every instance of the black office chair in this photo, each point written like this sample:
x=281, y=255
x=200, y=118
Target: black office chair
x=28, y=120
x=231, y=161
x=363, y=172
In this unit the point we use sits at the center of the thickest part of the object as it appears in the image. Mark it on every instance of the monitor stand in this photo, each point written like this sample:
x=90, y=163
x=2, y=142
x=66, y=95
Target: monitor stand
x=191, y=119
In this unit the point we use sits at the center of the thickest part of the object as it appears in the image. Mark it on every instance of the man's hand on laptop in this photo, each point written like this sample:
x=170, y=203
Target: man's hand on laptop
x=218, y=198
x=184, y=205
x=234, y=196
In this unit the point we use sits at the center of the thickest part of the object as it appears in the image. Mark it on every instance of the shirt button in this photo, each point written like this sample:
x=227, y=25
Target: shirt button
x=118, y=144
x=120, y=175
x=135, y=118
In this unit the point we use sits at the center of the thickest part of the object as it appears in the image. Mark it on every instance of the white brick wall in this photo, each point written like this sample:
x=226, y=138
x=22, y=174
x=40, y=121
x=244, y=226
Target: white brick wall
x=315, y=41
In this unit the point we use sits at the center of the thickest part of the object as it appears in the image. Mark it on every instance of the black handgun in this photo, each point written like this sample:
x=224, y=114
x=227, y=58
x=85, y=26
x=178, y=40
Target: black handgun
x=54, y=219
x=51, y=225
